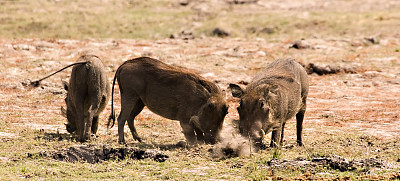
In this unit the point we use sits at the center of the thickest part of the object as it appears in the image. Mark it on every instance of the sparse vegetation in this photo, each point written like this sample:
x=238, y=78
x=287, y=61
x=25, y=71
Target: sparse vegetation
x=353, y=116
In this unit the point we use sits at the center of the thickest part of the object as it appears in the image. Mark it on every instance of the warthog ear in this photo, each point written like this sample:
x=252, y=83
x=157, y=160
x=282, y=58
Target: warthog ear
x=63, y=112
x=65, y=84
x=195, y=121
x=237, y=91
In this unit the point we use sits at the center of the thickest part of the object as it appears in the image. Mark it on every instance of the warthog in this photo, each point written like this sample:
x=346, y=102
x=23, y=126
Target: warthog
x=173, y=93
x=273, y=96
x=88, y=92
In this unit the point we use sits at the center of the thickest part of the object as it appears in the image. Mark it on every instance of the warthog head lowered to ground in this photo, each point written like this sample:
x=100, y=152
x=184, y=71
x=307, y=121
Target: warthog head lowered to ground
x=88, y=92
x=274, y=96
x=173, y=93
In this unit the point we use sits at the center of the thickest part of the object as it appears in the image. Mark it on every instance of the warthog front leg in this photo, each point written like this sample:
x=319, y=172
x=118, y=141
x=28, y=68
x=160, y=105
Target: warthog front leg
x=276, y=137
x=283, y=130
x=80, y=122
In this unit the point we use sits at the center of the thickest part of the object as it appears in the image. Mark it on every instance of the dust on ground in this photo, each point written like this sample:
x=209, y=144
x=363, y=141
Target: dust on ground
x=232, y=144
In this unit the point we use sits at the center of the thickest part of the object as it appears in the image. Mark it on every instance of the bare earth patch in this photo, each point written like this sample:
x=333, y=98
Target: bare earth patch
x=97, y=153
x=358, y=99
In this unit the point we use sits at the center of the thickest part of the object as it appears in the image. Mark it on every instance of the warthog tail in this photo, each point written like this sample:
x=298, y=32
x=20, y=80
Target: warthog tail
x=36, y=83
x=112, y=115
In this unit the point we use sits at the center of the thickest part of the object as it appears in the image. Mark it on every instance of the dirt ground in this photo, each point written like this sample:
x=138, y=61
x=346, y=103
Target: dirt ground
x=367, y=101
x=358, y=93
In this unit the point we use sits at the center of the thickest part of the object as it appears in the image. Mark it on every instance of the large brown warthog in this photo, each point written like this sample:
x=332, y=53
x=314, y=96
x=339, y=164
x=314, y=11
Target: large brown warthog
x=88, y=92
x=275, y=95
x=170, y=92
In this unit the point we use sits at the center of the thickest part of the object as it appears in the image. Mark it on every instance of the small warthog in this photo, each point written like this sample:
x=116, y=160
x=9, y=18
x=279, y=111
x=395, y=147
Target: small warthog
x=173, y=93
x=274, y=96
x=88, y=92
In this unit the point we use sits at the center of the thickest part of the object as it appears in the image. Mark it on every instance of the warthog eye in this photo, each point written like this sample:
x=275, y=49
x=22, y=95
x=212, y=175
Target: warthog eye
x=261, y=104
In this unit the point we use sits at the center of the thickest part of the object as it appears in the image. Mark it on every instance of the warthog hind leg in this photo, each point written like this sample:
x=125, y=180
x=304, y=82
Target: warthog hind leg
x=129, y=110
x=131, y=120
x=89, y=121
x=95, y=124
x=299, y=126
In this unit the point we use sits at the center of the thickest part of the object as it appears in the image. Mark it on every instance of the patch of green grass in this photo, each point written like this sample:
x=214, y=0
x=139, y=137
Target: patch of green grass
x=92, y=19
x=186, y=164
x=158, y=19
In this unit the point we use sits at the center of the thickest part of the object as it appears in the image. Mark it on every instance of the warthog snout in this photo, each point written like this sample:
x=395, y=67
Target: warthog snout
x=253, y=131
x=70, y=128
x=209, y=138
x=212, y=137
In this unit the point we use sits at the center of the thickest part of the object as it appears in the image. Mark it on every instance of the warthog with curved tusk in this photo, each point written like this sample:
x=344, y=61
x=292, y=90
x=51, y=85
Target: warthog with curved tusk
x=274, y=96
x=173, y=93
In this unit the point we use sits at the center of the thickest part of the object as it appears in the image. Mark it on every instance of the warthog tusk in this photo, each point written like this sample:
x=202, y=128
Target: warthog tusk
x=195, y=121
x=63, y=112
x=262, y=134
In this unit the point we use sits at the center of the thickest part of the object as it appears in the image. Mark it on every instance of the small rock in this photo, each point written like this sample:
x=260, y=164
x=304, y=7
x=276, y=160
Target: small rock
x=220, y=32
x=24, y=47
x=184, y=35
x=184, y=2
x=373, y=40
x=181, y=143
x=300, y=44
x=267, y=30
x=261, y=53
x=243, y=1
